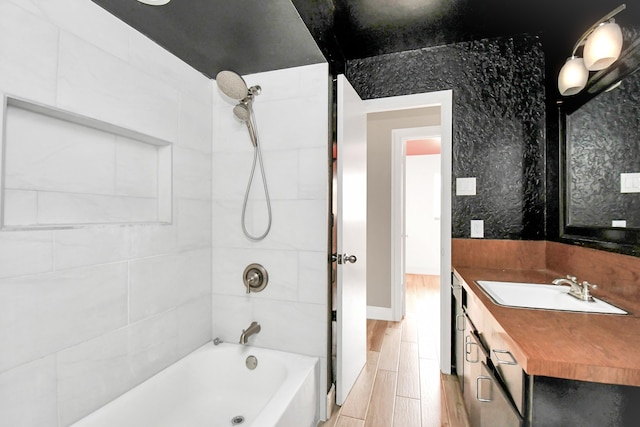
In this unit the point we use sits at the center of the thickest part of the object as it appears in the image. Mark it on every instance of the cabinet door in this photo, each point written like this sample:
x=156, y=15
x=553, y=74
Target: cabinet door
x=496, y=410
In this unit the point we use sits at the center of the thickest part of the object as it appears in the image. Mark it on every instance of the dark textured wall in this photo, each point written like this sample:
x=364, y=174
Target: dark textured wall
x=498, y=124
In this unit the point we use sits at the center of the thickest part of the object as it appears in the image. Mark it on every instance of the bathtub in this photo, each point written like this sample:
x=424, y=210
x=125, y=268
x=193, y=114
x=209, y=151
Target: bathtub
x=213, y=387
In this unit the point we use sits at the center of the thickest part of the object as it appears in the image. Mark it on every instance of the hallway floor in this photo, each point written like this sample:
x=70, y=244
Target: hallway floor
x=401, y=384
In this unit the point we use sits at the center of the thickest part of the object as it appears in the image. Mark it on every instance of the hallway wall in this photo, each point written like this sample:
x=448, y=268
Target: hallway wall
x=379, y=142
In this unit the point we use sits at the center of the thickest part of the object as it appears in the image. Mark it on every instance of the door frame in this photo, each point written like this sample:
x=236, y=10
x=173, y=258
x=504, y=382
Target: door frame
x=444, y=99
x=399, y=139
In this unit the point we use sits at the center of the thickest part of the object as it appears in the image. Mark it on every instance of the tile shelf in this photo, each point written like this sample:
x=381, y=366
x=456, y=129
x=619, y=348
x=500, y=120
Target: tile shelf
x=60, y=169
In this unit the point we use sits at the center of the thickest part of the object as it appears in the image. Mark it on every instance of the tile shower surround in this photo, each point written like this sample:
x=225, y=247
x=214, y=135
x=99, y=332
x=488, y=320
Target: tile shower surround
x=292, y=118
x=86, y=314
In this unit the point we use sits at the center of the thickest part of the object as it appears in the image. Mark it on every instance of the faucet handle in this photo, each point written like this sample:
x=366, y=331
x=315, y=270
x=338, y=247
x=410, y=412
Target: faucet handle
x=585, y=290
x=572, y=278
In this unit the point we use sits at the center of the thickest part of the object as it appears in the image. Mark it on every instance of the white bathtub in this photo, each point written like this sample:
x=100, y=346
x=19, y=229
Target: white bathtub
x=212, y=386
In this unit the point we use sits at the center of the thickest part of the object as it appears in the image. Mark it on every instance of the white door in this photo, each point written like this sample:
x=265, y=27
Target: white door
x=351, y=242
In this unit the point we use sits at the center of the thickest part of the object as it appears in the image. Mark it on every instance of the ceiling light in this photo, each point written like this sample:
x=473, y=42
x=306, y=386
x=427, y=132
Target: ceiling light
x=602, y=46
x=155, y=2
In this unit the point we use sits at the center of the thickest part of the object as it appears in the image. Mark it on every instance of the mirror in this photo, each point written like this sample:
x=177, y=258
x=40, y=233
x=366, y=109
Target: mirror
x=601, y=156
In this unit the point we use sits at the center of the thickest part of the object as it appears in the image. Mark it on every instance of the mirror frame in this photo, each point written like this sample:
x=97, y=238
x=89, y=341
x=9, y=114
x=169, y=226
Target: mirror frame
x=612, y=239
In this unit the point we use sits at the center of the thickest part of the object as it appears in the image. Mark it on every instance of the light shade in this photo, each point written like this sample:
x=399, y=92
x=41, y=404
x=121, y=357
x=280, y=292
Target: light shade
x=155, y=2
x=603, y=46
x=573, y=76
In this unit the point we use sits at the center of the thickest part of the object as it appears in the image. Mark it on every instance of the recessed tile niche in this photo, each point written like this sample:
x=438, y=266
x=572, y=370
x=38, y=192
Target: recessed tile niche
x=61, y=169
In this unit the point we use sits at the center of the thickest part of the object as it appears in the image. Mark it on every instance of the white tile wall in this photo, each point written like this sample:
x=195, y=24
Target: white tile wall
x=87, y=313
x=292, y=116
x=136, y=168
x=160, y=283
x=77, y=247
x=69, y=208
x=24, y=253
x=44, y=313
x=29, y=51
x=190, y=179
x=128, y=96
x=28, y=394
x=194, y=223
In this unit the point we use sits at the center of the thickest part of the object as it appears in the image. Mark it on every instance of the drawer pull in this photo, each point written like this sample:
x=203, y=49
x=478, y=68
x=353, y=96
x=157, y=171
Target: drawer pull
x=467, y=350
x=513, y=360
x=458, y=323
x=478, y=379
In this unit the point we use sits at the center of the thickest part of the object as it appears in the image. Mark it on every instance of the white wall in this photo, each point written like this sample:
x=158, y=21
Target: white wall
x=422, y=214
x=87, y=313
x=292, y=115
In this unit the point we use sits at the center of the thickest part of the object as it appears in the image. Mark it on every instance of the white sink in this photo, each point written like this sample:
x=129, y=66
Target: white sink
x=542, y=296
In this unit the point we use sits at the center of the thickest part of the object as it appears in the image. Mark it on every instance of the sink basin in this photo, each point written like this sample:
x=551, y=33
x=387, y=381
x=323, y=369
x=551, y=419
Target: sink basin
x=542, y=296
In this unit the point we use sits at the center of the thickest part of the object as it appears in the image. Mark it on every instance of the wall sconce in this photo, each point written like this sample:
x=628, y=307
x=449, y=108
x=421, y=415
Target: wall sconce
x=602, y=46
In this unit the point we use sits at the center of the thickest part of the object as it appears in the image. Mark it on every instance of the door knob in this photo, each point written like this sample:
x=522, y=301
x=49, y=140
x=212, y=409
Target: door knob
x=346, y=258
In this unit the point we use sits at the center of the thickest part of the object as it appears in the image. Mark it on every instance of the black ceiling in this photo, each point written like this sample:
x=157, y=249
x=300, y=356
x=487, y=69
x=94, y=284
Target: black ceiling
x=250, y=36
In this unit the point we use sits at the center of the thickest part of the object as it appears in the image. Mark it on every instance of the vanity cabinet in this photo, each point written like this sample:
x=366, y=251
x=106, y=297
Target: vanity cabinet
x=487, y=401
x=499, y=393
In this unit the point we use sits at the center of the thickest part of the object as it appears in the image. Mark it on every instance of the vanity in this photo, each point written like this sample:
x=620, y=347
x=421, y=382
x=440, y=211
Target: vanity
x=539, y=367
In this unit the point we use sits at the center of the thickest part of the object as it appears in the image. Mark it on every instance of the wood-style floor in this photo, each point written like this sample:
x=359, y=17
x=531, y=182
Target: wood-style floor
x=401, y=384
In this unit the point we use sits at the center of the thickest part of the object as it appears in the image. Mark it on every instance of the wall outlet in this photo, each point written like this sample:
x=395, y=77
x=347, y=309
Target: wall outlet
x=619, y=223
x=465, y=186
x=477, y=228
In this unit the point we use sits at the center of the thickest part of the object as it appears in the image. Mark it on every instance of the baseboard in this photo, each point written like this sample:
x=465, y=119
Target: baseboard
x=379, y=313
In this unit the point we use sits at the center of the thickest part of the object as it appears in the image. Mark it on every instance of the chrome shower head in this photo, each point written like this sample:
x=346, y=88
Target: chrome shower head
x=241, y=111
x=232, y=85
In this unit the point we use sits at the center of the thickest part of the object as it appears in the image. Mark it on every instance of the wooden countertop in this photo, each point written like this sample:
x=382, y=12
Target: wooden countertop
x=602, y=348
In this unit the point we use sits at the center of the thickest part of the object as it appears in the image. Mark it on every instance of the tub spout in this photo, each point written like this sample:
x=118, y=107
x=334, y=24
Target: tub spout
x=253, y=329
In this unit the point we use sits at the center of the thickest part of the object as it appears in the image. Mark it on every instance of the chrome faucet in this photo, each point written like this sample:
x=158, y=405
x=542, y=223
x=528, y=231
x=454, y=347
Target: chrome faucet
x=253, y=329
x=578, y=290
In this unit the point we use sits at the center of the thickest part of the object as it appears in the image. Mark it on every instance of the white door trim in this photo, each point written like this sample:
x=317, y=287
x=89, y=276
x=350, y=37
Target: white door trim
x=445, y=100
x=399, y=139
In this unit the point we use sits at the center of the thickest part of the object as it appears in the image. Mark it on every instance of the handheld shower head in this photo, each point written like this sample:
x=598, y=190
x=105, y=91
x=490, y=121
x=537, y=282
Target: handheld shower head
x=241, y=111
x=232, y=85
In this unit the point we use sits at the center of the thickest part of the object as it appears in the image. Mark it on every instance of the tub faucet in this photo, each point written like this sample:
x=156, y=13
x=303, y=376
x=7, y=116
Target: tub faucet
x=253, y=329
x=578, y=290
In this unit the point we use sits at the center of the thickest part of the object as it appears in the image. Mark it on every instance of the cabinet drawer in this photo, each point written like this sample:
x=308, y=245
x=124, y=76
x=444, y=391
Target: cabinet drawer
x=496, y=409
x=508, y=368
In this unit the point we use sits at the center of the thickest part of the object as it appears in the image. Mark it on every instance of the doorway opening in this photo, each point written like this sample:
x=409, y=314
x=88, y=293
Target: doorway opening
x=443, y=102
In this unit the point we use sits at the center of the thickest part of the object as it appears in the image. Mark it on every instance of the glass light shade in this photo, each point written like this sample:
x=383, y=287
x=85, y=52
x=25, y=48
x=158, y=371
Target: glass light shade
x=603, y=46
x=155, y=2
x=573, y=76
